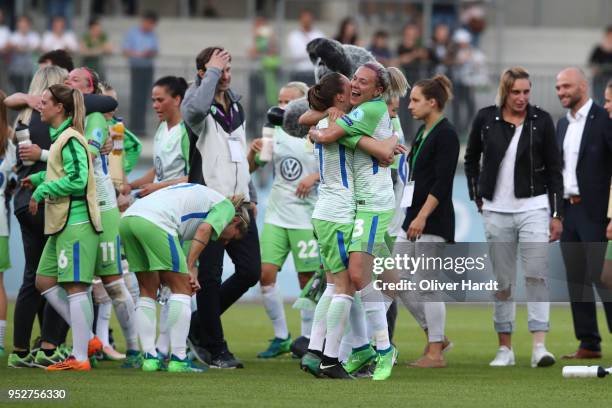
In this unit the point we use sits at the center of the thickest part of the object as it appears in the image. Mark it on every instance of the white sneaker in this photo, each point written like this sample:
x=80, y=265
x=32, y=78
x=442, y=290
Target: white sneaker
x=503, y=358
x=540, y=357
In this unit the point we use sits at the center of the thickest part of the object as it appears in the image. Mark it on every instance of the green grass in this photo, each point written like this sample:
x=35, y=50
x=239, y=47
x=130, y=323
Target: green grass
x=468, y=381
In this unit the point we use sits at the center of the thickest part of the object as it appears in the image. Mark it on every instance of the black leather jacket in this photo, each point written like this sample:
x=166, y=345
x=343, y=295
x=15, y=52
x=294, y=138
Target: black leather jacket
x=538, y=163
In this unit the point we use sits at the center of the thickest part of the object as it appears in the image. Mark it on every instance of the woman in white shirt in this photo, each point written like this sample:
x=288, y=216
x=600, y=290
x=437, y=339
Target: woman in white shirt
x=59, y=38
x=22, y=43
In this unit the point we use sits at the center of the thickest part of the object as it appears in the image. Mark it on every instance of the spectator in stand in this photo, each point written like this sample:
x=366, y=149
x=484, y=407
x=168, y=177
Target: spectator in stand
x=5, y=34
x=439, y=52
x=601, y=65
x=347, y=32
x=298, y=39
x=61, y=58
x=64, y=8
x=59, y=38
x=380, y=47
x=141, y=45
x=95, y=45
x=22, y=44
x=472, y=18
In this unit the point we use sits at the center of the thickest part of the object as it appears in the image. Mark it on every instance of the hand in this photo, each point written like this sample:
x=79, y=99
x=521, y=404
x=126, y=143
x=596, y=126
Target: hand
x=147, y=189
x=31, y=152
x=314, y=134
x=126, y=188
x=256, y=145
x=556, y=228
x=193, y=279
x=219, y=59
x=386, y=161
x=334, y=113
x=254, y=208
x=400, y=149
x=416, y=227
x=107, y=147
x=27, y=183
x=123, y=202
x=34, y=101
x=33, y=206
x=306, y=185
x=609, y=230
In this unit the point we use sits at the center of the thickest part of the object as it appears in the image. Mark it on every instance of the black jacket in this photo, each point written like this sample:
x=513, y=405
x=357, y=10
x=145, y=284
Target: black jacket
x=594, y=167
x=433, y=173
x=537, y=169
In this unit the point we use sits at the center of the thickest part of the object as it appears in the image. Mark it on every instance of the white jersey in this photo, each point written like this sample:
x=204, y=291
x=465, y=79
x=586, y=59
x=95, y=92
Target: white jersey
x=105, y=190
x=180, y=209
x=6, y=168
x=293, y=161
x=170, y=152
x=336, y=201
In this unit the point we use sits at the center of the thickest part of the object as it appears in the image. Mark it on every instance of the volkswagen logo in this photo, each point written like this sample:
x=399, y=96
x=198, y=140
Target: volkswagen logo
x=291, y=168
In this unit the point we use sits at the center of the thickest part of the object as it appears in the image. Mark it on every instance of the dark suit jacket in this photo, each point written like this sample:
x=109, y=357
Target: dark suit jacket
x=434, y=173
x=594, y=167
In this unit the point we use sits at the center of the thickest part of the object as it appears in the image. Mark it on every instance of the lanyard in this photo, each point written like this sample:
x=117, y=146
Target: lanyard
x=420, y=140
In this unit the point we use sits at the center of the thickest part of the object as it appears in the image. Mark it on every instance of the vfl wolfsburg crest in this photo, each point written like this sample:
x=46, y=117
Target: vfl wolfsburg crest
x=291, y=168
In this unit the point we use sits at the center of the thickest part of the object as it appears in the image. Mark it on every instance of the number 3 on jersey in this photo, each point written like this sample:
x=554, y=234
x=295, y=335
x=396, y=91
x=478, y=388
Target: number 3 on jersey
x=358, y=228
x=304, y=253
x=108, y=251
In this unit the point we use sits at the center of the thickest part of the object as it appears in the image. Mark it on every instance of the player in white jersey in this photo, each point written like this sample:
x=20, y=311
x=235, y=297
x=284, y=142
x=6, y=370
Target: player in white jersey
x=375, y=202
x=108, y=263
x=151, y=230
x=171, y=143
x=287, y=225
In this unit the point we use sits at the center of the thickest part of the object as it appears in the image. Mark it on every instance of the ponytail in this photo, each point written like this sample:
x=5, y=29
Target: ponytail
x=78, y=113
x=321, y=96
x=398, y=85
x=241, y=212
x=74, y=106
x=439, y=88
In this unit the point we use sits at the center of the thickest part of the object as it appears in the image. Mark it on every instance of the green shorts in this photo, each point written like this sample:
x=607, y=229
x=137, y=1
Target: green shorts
x=5, y=259
x=149, y=248
x=276, y=243
x=333, y=242
x=108, y=261
x=70, y=255
x=608, y=252
x=369, y=233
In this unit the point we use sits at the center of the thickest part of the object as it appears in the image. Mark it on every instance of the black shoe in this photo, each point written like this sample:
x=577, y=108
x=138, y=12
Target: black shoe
x=299, y=347
x=225, y=360
x=331, y=368
x=199, y=353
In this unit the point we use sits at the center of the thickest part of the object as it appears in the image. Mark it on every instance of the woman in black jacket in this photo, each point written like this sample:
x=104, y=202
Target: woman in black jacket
x=430, y=217
x=513, y=167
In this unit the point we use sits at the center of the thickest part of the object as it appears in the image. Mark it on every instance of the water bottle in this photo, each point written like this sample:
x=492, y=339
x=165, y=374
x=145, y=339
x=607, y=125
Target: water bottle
x=267, y=139
x=584, y=372
x=22, y=134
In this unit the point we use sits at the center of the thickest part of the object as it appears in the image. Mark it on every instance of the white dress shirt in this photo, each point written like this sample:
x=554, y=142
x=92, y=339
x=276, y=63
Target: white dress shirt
x=571, y=148
x=297, y=42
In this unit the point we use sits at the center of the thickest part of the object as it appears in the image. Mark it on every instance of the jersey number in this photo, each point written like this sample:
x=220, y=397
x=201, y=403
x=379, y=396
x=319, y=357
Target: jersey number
x=108, y=251
x=358, y=228
x=303, y=245
x=62, y=261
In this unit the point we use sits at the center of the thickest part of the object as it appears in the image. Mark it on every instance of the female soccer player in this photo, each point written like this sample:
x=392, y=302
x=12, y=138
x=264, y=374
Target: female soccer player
x=7, y=161
x=287, y=224
x=151, y=230
x=375, y=203
x=171, y=143
x=72, y=218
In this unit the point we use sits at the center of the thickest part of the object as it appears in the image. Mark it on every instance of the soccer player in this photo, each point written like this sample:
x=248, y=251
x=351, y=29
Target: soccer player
x=108, y=262
x=72, y=218
x=287, y=225
x=151, y=230
x=375, y=203
x=7, y=161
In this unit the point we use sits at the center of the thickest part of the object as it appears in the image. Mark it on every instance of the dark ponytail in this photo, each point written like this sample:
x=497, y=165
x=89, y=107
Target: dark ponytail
x=439, y=88
x=176, y=86
x=321, y=96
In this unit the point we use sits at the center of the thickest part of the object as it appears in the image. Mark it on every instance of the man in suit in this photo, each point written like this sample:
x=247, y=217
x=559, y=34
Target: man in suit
x=585, y=139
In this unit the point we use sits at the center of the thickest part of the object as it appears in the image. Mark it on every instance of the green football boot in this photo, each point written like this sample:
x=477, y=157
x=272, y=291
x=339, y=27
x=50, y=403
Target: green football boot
x=133, y=359
x=42, y=360
x=151, y=363
x=359, y=358
x=277, y=347
x=14, y=361
x=384, y=364
x=177, y=365
x=310, y=363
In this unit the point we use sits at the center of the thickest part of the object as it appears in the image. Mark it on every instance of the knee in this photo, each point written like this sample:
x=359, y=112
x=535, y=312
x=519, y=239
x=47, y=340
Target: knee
x=268, y=275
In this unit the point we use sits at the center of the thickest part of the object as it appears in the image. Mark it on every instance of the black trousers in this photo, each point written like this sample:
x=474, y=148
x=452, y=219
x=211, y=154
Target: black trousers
x=141, y=79
x=391, y=318
x=215, y=297
x=583, y=245
x=29, y=301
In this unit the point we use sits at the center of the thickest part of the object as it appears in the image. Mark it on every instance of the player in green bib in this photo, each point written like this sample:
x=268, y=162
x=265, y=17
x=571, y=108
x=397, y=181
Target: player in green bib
x=287, y=224
x=111, y=288
x=372, y=85
x=72, y=219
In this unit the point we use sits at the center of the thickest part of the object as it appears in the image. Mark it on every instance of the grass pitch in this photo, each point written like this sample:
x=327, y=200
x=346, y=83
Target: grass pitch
x=468, y=382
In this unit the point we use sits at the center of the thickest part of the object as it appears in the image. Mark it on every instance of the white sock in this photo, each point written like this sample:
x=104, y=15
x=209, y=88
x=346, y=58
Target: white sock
x=359, y=334
x=2, y=331
x=319, y=321
x=306, y=317
x=146, y=316
x=81, y=320
x=376, y=316
x=163, y=340
x=103, y=322
x=58, y=299
x=179, y=319
x=337, y=317
x=273, y=303
x=125, y=309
